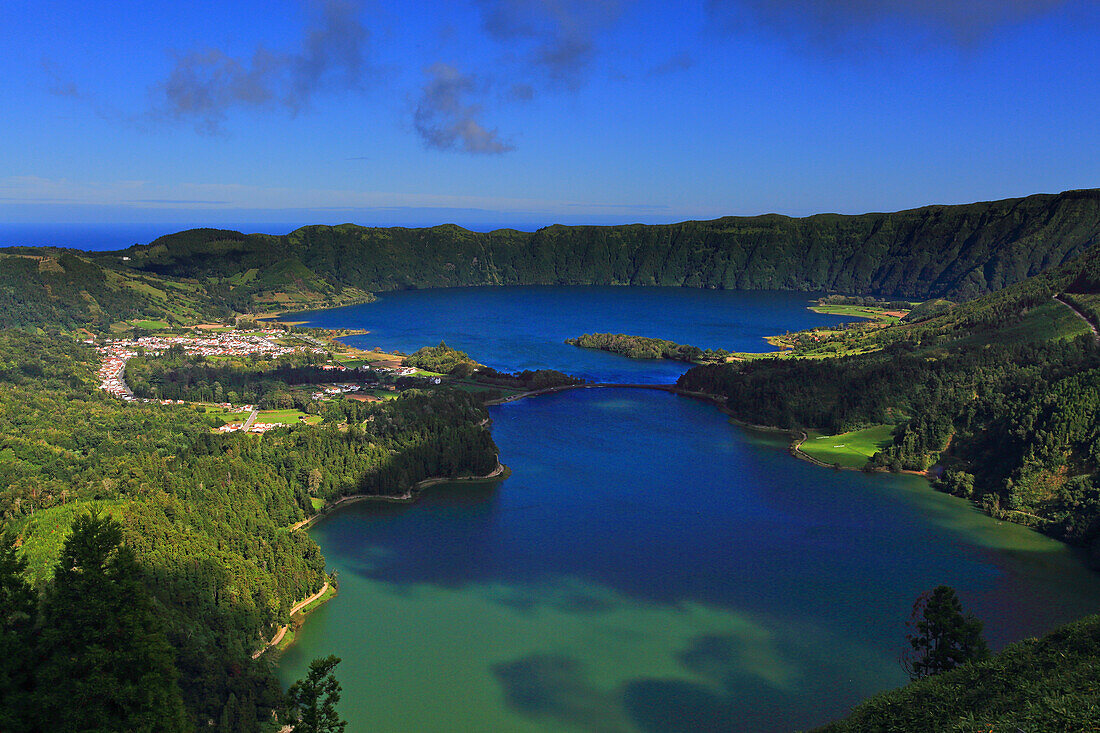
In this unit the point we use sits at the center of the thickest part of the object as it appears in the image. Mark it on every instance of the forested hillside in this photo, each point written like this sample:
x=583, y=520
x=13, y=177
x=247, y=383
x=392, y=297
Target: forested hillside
x=205, y=515
x=958, y=252
x=1004, y=391
x=63, y=288
x=72, y=289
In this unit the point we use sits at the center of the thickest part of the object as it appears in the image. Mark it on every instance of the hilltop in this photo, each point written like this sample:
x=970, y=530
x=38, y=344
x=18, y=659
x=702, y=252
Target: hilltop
x=958, y=252
x=935, y=252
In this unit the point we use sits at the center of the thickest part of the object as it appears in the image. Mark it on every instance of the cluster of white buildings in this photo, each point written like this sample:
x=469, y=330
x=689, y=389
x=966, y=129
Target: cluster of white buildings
x=399, y=371
x=117, y=352
x=112, y=371
x=256, y=427
x=233, y=343
x=335, y=390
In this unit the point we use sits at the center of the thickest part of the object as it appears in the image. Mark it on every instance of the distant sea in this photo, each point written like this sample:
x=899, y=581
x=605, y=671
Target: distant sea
x=119, y=236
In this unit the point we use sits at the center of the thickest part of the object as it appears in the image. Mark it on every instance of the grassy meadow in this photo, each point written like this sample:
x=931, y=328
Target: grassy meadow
x=850, y=450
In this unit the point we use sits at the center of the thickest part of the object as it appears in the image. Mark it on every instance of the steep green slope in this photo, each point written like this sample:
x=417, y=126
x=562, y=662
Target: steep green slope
x=207, y=514
x=1047, y=684
x=958, y=252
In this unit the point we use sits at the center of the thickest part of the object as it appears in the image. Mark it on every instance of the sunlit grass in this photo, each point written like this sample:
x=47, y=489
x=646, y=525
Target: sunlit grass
x=851, y=450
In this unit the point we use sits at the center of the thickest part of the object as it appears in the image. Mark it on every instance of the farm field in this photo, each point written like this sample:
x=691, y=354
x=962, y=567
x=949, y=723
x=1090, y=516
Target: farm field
x=150, y=325
x=286, y=417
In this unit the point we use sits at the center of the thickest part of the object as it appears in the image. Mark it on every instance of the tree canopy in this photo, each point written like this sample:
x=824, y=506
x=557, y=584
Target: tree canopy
x=941, y=635
x=106, y=663
x=311, y=702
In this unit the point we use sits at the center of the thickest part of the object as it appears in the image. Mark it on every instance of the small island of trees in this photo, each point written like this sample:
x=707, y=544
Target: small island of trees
x=644, y=347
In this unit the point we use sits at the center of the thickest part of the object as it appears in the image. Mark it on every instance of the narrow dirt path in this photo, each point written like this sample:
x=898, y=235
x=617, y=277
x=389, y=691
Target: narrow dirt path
x=1083, y=317
x=295, y=609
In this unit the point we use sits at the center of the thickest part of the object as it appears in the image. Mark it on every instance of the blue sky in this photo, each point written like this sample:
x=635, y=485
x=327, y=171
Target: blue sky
x=532, y=112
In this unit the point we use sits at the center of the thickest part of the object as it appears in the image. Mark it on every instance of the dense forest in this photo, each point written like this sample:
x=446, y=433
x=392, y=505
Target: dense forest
x=204, y=514
x=442, y=359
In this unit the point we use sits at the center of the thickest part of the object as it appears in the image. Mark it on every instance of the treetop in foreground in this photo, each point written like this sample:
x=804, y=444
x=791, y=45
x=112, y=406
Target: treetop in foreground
x=942, y=637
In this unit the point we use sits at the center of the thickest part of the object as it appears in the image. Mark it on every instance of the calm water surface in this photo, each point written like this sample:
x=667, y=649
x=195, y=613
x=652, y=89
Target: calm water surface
x=650, y=567
x=514, y=328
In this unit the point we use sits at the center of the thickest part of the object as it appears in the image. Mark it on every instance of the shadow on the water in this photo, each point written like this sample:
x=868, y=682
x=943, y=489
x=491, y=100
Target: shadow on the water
x=555, y=689
x=726, y=684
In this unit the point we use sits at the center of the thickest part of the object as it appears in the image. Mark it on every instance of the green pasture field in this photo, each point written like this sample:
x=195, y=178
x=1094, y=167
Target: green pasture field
x=286, y=417
x=859, y=311
x=1048, y=322
x=851, y=450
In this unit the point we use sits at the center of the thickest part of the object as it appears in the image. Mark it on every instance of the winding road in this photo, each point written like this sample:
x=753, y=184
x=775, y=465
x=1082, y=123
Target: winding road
x=1083, y=317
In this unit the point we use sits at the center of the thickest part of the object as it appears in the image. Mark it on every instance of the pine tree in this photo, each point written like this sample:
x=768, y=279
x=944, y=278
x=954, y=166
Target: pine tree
x=106, y=663
x=311, y=702
x=942, y=636
x=17, y=611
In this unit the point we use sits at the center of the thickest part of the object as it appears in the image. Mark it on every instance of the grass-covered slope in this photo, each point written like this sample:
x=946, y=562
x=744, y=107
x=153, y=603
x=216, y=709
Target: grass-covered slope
x=938, y=251
x=71, y=289
x=62, y=287
x=1048, y=685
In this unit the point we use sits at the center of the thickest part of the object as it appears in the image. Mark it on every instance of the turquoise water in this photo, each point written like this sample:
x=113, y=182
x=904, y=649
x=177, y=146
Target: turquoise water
x=650, y=567
x=513, y=328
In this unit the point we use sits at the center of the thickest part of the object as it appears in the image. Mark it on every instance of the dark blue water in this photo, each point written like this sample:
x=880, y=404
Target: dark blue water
x=514, y=328
x=649, y=567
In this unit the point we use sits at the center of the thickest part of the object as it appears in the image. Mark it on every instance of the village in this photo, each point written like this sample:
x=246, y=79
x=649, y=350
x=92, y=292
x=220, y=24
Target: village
x=270, y=343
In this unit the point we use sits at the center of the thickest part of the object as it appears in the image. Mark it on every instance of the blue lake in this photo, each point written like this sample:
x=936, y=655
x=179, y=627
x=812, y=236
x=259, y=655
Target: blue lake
x=648, y=566
x=514, y=328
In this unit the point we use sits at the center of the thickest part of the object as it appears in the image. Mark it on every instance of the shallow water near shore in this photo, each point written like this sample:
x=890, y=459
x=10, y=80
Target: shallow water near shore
x=650, y=567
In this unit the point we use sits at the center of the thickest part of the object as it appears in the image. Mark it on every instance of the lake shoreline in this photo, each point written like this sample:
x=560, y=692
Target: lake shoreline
x=499, y=473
